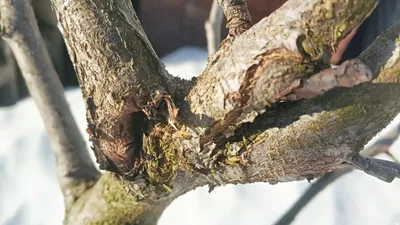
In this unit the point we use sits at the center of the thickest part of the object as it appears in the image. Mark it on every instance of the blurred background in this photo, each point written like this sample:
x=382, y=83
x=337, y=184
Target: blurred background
x=29, y=193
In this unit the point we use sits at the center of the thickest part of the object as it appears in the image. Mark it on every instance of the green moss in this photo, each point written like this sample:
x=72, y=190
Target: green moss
x=162, y=158
x=274, y=153
x=297, y=139
x=232, y=151
x=114, y=190
x=313, y=50
x=389, y=75
x=234, y=160
x=332, y=31
x=111, y=202
x=341, y=27
x=253, y=136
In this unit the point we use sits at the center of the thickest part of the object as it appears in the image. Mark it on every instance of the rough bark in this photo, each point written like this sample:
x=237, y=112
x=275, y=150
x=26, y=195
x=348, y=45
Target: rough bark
x=232, y=126
x=386, y=140
x=111, y=202
x=119, y=74
x=350, y=124
x=75, y=170
x=238, y=18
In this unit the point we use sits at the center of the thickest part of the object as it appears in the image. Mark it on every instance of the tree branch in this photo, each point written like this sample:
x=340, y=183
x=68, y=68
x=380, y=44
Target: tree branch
x=232, y=127
x=244, y=76
x=249, y=73
x=384, y=45
x=75, y=170
x=381, y=146
x=213, y=28
x=113, y=201
x=238, y=18
x=393, y=157
x=120, y=75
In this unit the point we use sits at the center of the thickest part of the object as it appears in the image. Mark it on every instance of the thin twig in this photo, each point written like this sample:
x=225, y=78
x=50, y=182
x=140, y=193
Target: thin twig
x=75, y=170
x=213, y=28
x=382, y=169
x=393, y=157
x=310, y=193
x=386, y=140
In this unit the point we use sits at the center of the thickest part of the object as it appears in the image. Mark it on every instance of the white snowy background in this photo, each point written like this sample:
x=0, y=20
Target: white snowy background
x=29, y=193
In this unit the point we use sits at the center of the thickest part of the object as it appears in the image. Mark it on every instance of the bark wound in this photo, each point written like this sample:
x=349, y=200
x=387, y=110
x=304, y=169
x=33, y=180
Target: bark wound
x=219, y=130
x=118, y=151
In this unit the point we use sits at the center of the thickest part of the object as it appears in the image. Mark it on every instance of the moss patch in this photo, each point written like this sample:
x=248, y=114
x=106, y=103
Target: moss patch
x=161, y=154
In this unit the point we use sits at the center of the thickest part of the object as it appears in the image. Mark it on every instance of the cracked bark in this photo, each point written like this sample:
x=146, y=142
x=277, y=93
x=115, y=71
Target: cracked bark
x=231, y=126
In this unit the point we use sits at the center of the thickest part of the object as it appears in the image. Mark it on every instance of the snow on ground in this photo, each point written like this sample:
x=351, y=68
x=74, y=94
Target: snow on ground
x=29, y=193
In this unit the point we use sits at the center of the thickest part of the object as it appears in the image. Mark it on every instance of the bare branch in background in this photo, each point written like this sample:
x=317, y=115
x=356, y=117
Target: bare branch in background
x=213, y=28
x=75, y=170
x=384, y=143
x=310, y=193
x=394, y=158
